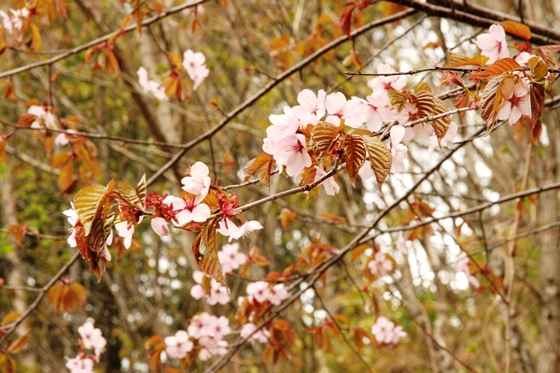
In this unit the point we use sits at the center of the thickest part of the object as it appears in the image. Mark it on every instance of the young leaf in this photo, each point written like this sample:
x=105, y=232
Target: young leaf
x=440, y=125
x=286, y=216
x=538, y=68
x=499, y=67
x=255, y=164
x=517, y=29
x=135, y=195
x=12, y=316
x=537, y=105
x=265, y=172
x=206, y=254
x=424, y=103
x=324, y=136
x=488, y=100
x=87, y=202
x=379, y=157
x=66, y=177
x=19, y=343
x=355, y=149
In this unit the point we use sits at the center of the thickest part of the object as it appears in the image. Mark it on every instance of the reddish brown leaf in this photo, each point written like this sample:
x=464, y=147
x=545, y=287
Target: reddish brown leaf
x=286, y=216
x=537, y=105
x=488, y=101
x=19, y=343
x=333, y=217
x=60, y=159
x=279, y=43
x=379, y=157
x=423, y=100
x=355, y=150
x=538, y=69
x=66, y=176
x=358, y=251
x=10, y=317
x=517, y=29
x=499, y=67
x=440, y=125
x=323, y=137
x=206, y=253
x=255, y=164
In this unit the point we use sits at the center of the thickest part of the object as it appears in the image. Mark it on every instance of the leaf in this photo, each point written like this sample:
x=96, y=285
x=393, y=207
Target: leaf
x=7, y=364
x=488, y=100
x=440, y=125
x=355, y=149
x=206, y=254
x=279, y=43
x=87, y=202
x=265, y=172
x=11, y=317
x=36, y=41
x=398, y=99
x=538, y=69
x=323, y=137
x=152, y=341
x=255, y=164
x=517, y=29
x=60, y=159
x=424, y=103
x=499, y=67
x=66, y=177
x=137, y=196
x=358, y=251
x=19, y=343
x=379, y=157
x=112, y=64
x=537, y=105
x=286, y=216
x=333, y=217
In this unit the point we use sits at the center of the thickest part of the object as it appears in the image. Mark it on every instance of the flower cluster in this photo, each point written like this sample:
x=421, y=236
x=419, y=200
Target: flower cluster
x=386, y=332
x=463, y=265
x=216, y=293
x=231, y=258
x=195, y=65
x=381, y=265
x=91, y=339
x=14, y=21
x=150, y=86
x=44, y=118
x=263, y=292
x=205, y=334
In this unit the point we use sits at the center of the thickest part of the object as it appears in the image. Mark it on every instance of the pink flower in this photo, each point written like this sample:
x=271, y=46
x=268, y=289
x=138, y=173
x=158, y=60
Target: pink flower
x=125, y=231
x=311, y=107
x=398, y=150
x=386, y=332
x=261, y=335
x=61, y=139
x=209, y=330
x=366, y=172
x=228, y=229
x=44, y=117
x=401, y=244
x=149, y=86
x=517, y=101
x=7, y=22
x=199, y=325
x=380, y=265
x=463, y=266
x=331, y=187
x=199, y=182
x=493, y=45
x=230, y=257
x=187, y=210
x=259, y=290
x=80, y=365
x=289, y=151
x=218, y=292
x=338, y=108
x=382, y=84
x=179, y=345
x=92, y=338
x=277, y=294
x=376, y=111
x=159, y=225
x=194, y=63
x=283, y=124
x=523, y=59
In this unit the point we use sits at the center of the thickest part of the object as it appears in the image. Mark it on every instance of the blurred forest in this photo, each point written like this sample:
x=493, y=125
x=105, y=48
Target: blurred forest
x=492, y=197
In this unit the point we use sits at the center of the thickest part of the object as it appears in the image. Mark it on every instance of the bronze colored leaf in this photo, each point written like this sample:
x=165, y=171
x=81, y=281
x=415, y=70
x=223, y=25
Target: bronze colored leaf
x=286, y=216
x=279, y=43
x=265, y=172
x=137, y=196
x=379, y=157
x=323, y=137
x=36, y=41
x=499, y=67
x=537, y=105
x=422, y=86
x=66, y=176
x=488, y=100
x=398, y=99
x=206, y=254
x=60, y=159
x=517, y=29
x=424, y=103
x=355, y=149
x=87, y=202
x=440, y=125
x=255, y=164
x=19, y=343
x=12, y=316
x=142, y=190
x=458, y=60
x=538, y=69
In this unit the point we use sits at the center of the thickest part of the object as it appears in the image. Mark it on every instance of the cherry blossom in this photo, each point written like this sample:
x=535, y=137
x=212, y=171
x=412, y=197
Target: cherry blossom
x=449, y=137
x=386, y=332
x=230, y=257
x=210, y=331
x=398, y=150
x=516, y=100
x=339, y=108
x=463, y=266
x=311, y=107
x=149, y=86
x=366, y=172
x=179, y=345
x=383, y=84
x=283, y=124
x=126, y=231
x=331, y=187
x=523, y=59
x=380, y=265
x=61, y=139
x=401, y=244
x=159, y=225
x=493, y=45
x=198, y=183
x=92, y=338
x=186, y=211
x=289, y=151
x=376, y=111
x=227, y=228
x=194, y=63
x=44, y=117
x=249, y=330
x=80, y=365
x=277, y=294
x=260, y=291
x=7, y=22
x=218, y=292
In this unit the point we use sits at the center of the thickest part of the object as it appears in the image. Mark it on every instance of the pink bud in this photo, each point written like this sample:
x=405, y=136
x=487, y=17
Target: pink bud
x=159, y=225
